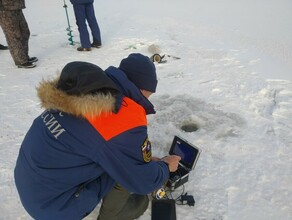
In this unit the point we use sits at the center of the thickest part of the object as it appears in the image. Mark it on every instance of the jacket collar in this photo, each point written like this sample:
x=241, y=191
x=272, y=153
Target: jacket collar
x=129, y=89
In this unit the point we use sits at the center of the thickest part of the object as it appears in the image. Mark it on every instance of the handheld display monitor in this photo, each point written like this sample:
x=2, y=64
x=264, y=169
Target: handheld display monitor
x=189, y=153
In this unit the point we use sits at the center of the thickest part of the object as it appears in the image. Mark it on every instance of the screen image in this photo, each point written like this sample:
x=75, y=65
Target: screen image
x=187, y=152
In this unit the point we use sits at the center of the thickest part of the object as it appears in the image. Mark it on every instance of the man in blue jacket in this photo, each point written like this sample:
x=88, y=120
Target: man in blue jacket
x=84, y=11
x=91, y=143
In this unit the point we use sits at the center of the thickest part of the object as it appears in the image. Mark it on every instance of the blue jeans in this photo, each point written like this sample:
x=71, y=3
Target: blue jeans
x=83, y=13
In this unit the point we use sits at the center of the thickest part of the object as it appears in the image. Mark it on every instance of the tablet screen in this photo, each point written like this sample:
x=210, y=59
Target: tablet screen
x=189, y=153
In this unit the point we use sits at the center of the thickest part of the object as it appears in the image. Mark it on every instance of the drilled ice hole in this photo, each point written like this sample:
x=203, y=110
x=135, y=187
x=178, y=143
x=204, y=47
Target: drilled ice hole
x=189, y=127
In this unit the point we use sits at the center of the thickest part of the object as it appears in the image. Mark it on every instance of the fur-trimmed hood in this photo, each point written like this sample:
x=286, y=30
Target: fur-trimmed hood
x=89, y=104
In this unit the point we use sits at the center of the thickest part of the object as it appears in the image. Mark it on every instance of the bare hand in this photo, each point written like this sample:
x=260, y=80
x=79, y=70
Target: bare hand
x=172, y=162
x=155, y=159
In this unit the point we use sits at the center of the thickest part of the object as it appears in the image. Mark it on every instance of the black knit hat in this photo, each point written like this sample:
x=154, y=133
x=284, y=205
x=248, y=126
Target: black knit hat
x=140, y=70
x=81, y=78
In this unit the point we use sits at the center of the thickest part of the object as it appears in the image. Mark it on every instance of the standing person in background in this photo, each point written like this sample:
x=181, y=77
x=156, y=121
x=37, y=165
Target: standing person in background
x=16, y=31
x=84, y=11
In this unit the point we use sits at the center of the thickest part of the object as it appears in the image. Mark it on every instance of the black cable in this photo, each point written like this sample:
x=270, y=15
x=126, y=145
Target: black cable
x=169, y=194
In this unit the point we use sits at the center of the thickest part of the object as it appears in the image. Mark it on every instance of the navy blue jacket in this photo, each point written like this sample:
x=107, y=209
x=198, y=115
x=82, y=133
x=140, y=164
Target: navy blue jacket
x=67, y=163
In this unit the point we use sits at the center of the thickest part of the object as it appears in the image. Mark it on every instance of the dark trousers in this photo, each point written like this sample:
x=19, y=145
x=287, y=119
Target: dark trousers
x=17, y=34
x=119, y=204
x=83, y=13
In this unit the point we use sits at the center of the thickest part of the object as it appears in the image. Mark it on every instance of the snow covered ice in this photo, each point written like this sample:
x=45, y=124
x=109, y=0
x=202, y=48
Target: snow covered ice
x=233, y=81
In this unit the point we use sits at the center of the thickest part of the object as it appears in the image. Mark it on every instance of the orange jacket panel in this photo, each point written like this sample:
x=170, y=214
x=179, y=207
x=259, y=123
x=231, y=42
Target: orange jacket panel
x=130, y=115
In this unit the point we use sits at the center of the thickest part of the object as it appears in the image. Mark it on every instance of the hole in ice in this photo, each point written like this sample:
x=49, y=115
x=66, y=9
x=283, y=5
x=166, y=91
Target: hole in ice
x=190, y=127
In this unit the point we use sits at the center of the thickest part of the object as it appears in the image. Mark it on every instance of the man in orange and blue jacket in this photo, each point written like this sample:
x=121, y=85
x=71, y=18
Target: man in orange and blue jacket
x=91, y=144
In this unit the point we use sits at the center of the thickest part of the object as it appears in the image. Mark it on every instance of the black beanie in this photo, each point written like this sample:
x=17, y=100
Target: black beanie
x=81, y=78
x=140, y=70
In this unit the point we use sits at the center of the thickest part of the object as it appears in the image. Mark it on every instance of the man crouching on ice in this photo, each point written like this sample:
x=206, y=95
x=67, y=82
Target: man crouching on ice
x=91, y=144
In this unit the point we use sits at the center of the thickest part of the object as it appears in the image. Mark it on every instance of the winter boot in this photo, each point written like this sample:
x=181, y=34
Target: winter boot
x=2, y=47
x=83, y=49
x=32, y=59
x=26, y=65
